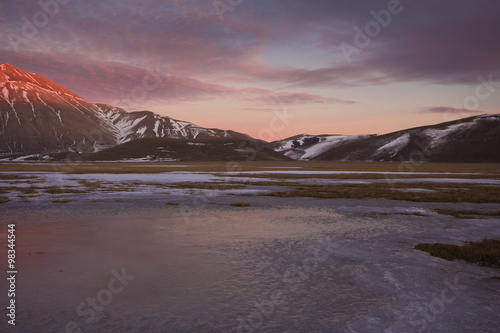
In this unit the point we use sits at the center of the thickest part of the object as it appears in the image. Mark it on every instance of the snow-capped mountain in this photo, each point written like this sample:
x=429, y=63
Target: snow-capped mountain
x=38, y=115
x=474, y=139
x=306, y=147
x=129, y=126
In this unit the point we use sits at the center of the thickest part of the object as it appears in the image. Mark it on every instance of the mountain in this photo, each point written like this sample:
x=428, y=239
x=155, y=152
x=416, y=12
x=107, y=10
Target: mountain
x=129, y=126
x=307, y=147
x=473, y=139
x=39, y=116
x=200, y=149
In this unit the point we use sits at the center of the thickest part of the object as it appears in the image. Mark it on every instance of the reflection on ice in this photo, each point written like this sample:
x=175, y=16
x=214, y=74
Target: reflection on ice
x=295, y=269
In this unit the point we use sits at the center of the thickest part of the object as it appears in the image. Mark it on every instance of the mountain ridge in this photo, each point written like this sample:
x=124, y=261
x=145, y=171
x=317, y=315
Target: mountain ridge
x=471, y=139
x=39, y=116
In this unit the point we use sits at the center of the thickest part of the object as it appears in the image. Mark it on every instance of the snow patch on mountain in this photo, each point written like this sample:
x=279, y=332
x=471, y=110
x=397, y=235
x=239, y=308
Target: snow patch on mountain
x=395, y=146
x=126, y=126
x=328, y=143
x=307, y=147
x=438, y=136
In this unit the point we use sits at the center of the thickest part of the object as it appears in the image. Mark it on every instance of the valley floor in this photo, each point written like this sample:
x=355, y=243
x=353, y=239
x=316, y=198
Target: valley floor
x=257, y=247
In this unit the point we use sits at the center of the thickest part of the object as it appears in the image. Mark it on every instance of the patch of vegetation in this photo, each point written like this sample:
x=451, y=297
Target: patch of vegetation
x=27, y=196
x=25, y=190
x=466, y=214
x=172, y=204
x=15, y=177
x=240, y=204
x=4, y=200
x=63, y=200
x=485, y=169
x=30, y=190
x=484, y=253
x=59, y=190
x=413, y=214
x=91, y=186
x=459, y=193
x=207, y=186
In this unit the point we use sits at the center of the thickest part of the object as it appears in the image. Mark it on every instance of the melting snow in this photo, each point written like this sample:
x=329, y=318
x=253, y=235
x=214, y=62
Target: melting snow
x=329, y=143
x=126, y=125
x=141, y=131
x=11, y=103
x=396, y=145
x=314, y=150
x=437, y=135
x=157, y=126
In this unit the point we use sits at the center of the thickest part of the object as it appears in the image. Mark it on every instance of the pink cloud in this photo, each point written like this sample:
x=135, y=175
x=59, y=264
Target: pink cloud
x=446, y=109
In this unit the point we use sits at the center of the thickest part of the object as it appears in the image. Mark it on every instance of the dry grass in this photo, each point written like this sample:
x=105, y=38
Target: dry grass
x=63, y=200
x=156, y=167
x=240, y=204
x=207, y=186
x=484, y=253
x=59, y=190
x=466, y=214
x=446, y=192
x=454, y=192
x=172, y=204
x=413, y=214
x=15, y=177
x=4, y=200
x=91, y=186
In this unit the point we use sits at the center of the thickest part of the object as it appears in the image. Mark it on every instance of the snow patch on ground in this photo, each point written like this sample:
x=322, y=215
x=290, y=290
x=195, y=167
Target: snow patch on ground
x=308, y=172
x=416, y=190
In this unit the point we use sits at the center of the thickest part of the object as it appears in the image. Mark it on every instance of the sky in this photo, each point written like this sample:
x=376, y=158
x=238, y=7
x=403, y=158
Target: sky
x=267, y=68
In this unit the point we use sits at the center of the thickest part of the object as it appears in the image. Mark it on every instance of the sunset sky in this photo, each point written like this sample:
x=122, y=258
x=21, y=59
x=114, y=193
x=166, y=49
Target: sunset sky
x=335, y=67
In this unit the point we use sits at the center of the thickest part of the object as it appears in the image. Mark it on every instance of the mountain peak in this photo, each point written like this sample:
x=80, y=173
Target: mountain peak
x=7, y=67
x=12, y=73
x=19, y=80
x=39, y=115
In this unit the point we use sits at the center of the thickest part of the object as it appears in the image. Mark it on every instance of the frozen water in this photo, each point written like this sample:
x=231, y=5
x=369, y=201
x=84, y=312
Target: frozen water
x=306, y=268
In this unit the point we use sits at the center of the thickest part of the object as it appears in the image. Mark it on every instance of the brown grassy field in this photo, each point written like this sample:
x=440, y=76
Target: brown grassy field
x=484, y=253
x=487, y=169
x=398, y=191
x=389, y=189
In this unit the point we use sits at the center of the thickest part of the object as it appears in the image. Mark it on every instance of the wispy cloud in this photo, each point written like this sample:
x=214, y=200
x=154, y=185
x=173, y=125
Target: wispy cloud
x=446, y=109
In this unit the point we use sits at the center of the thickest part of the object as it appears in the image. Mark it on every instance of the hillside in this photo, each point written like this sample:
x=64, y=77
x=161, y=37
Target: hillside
x=208, y=149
